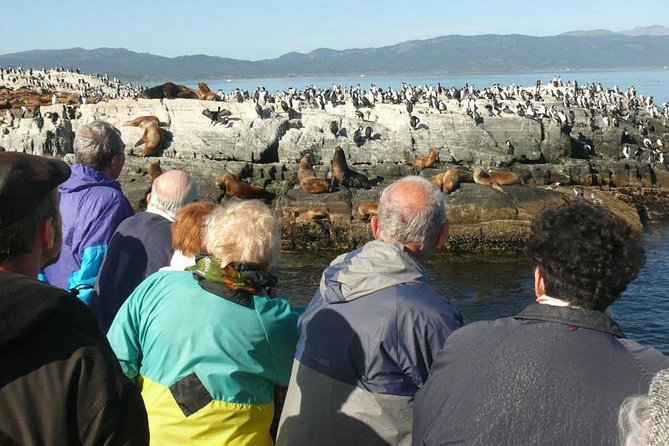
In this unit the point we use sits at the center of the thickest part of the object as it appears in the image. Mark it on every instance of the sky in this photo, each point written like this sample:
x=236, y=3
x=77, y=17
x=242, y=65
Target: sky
x=254, y=29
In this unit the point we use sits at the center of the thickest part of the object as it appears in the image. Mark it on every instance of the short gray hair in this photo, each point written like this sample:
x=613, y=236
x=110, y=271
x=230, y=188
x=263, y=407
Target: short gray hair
x=172, y=190
x=412, y=210
x=244, y=232
x=96, y=144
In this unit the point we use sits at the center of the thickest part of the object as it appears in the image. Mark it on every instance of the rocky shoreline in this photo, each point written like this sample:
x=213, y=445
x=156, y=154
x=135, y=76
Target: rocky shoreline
x=550, y=155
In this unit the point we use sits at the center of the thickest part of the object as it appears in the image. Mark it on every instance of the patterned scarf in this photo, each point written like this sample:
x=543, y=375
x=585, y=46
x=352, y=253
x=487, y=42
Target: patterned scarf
x=237, y=282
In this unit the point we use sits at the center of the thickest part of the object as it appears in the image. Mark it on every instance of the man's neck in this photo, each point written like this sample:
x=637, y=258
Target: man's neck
x=21, y=265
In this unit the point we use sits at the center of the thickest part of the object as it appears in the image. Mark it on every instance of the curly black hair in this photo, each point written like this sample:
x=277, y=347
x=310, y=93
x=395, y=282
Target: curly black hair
x=586, y=255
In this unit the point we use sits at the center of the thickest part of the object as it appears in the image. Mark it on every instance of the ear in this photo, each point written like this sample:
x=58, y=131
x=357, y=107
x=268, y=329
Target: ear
x=539, y=285
x=148, y=198
x=45, y=236
x=374, y=222
x=441, y=239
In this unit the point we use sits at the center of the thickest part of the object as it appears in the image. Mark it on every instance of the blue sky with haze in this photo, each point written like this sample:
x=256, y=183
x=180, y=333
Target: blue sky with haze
x=254, y=29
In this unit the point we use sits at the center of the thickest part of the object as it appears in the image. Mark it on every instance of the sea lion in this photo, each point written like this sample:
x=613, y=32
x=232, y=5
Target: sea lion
x=495, y=179
x=368, y=209
x=233, y=186
x=168, y=90
x=342, y=175
x=307, y=177
x=205, y=93
x=138, y=121
x=155, y=171
x=311, y=215
x=450, y=180
x=426, y=161
x=152, y=138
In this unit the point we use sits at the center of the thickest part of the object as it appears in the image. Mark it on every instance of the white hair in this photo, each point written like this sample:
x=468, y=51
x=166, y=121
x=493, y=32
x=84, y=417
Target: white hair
x=412, y=210
x=172, y=190
x=634, y=421
x=96, y=144
x=244, y=232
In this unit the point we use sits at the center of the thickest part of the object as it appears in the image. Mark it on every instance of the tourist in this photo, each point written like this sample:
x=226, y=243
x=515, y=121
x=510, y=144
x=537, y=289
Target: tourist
x=207, y=347
x=368, y=336
x=644, y=419
x=60, y=383
x=187, y=239
x=92, y=206
x=557, y=372
x=141, y=245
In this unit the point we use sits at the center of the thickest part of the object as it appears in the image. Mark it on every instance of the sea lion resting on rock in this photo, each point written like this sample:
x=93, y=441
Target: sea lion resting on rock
x=426, y=161
x=342, y=175
x=306, y=175
x=311, y=215
x=168, y=90
x=205, y=93
x=495, y=179
x=138, y=121
x=368, y=209
x=152, y=137
x=235, y=187
x=450, y=180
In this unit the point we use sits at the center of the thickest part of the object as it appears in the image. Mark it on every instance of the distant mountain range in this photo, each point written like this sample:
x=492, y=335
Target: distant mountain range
x=577, y=50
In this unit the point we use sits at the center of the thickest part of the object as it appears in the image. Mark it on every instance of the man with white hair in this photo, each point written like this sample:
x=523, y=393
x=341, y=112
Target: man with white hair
x=92, y=206
x=368, y=336
x=141, y=245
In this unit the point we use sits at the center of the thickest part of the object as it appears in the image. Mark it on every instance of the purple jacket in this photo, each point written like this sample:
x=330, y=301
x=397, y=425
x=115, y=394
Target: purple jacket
x=92, y=206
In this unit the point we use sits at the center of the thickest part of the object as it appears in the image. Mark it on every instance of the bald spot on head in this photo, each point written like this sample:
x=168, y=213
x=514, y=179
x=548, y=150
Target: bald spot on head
x=172, y=190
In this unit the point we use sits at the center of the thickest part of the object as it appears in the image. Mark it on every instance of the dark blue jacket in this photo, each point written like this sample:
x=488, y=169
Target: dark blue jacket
x=549, y=376
x=141, y=245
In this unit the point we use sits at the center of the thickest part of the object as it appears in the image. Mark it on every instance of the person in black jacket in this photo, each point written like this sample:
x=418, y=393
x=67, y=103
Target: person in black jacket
x=141, y=245
x=60, y=382
x=557, y=372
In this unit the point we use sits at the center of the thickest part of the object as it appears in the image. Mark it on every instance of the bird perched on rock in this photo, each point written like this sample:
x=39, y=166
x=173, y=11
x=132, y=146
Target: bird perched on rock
x=578, y=192
x=413, y=122
x=509, y=148
x=627, y=152
x=409, y=106
x=334, y=128
x=258, y=109
x=596, y=201
x=359, y=114
x=357, y=137
x=368, y=132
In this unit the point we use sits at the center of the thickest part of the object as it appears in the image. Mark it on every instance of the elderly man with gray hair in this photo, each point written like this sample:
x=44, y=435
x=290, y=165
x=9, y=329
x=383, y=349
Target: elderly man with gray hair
x=368, y=336
x=141, y=245
x=92, y=206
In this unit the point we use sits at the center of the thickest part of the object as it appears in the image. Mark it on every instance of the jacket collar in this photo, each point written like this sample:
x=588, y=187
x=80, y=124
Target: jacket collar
x=578, y=317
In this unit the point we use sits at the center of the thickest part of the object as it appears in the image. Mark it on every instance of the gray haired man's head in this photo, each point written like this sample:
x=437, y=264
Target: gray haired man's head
x=172, y=190
x=412, y=212
x=96, y=144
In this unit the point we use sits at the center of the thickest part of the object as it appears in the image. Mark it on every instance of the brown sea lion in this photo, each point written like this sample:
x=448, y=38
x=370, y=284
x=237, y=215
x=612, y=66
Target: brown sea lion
x=306, y=176
x=155, y=171
x=138, y=121
x=426, y=161
x=235, y=187
x=342, y=175
x=311, y=215
x=152, y=138
x=450, y=180
x=495, y=179
x=368, y=209
x=205, y=93
x=168, y=90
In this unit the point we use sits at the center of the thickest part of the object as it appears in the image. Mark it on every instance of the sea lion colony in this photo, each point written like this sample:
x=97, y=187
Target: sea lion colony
x=611, y=105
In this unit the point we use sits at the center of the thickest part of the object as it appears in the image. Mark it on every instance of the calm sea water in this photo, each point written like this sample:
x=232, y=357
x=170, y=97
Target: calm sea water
x=493, y=286
x=653, y=82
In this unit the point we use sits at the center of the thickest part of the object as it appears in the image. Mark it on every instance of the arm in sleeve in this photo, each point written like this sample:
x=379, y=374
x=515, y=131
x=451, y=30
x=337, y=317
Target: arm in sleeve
x=94, y=246
x=124, y=335
x=280, y=324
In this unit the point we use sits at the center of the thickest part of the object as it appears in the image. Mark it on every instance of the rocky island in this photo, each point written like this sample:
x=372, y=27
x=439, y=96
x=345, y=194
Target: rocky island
x=564, y=141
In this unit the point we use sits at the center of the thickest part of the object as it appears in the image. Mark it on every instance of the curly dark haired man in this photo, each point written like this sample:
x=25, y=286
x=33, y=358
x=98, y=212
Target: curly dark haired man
x=557, y=372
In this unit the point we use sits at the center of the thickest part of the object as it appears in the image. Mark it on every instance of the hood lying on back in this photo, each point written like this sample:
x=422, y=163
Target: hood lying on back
x=83, y=177
x=375, y=266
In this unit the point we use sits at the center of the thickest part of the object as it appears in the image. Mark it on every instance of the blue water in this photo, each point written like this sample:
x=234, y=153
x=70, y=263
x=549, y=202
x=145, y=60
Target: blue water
x=653, y=82
x=493, y=286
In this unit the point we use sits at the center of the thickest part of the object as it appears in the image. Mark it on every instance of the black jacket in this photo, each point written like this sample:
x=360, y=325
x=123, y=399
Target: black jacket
x=549, y=376
x=60, y=383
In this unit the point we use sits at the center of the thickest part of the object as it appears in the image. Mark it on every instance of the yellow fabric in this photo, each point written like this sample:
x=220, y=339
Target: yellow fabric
x=218, y=423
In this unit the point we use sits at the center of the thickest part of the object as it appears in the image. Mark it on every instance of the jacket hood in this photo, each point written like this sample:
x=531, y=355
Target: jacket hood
x=26, y=304
x=83, y=177
x=375, y=266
